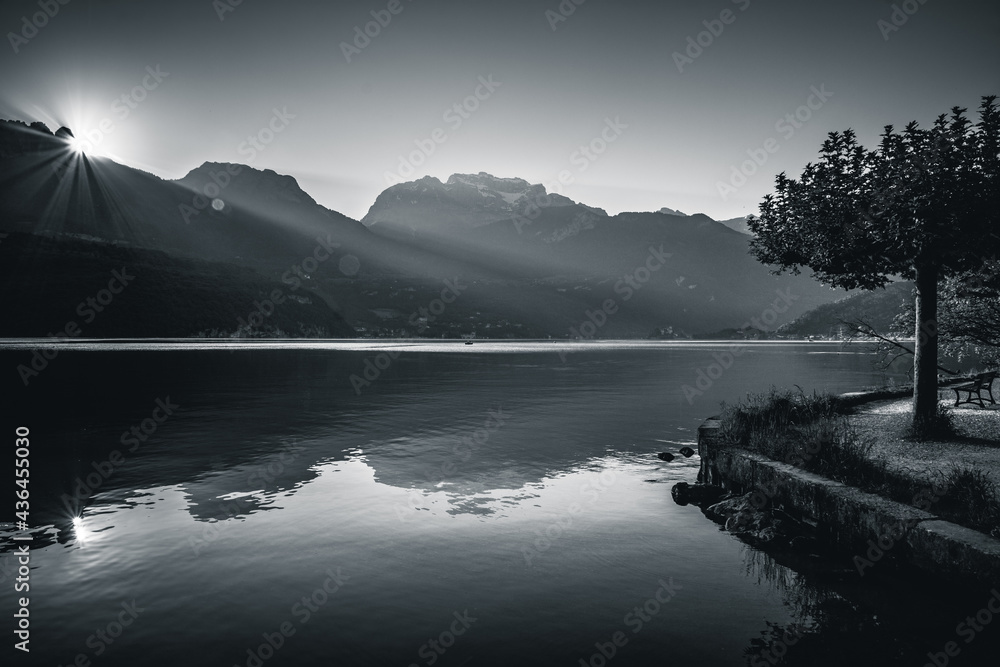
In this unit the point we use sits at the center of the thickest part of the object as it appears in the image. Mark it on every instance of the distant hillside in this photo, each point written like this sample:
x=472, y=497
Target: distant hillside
x=737, y=224
x=58, y=286
x=878, y=308
x=672, y=211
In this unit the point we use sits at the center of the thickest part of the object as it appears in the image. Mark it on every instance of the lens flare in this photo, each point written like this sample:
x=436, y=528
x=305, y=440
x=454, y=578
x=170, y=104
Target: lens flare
x=81, y=532
x=78, y=146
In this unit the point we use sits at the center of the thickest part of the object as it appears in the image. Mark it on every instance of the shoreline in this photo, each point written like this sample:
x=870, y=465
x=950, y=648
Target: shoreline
x=868, y=525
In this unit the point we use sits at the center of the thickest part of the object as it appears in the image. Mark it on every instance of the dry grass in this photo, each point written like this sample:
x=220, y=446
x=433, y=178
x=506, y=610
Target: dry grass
x=976, y=446
x=872, y=449
x=967, y=463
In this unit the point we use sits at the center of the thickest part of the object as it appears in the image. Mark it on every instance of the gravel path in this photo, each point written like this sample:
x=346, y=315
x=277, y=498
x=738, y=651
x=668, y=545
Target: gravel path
x=979, y=448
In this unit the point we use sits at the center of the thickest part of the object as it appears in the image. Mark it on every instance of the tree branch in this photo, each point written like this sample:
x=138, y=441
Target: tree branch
x=860, y=327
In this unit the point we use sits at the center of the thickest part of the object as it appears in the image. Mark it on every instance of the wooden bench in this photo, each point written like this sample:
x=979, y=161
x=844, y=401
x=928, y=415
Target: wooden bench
x=980, y=383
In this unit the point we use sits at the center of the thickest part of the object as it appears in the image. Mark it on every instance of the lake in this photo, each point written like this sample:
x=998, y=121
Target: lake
x=418, y=503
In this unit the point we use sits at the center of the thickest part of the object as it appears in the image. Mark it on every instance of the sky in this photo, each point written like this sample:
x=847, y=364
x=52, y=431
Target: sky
x=627, y=106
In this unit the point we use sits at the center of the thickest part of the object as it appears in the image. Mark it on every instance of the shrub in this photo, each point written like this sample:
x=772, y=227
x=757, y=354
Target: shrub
x=974, y=496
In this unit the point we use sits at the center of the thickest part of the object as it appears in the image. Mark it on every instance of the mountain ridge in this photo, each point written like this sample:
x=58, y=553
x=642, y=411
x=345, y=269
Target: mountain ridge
x=535, y=261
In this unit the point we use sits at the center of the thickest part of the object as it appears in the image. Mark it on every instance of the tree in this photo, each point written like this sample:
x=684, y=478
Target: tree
x=968, y=314
x=922, y=206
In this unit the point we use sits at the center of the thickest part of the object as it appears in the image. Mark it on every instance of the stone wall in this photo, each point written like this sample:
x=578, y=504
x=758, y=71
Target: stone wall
x=875, y=527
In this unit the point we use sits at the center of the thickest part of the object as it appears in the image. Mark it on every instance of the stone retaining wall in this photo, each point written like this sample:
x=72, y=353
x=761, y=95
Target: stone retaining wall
x=872, y=525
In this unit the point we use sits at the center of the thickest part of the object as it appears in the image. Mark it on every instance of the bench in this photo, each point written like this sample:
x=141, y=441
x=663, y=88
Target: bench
x=980, y=383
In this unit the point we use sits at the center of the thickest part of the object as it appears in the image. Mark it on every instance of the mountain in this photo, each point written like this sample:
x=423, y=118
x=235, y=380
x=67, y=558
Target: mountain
x=520, y=261
x=737, y=224
x=217, y=212
x=428, y=206
x=523, y=233
x=878, y=308
x=68, y=221
x=54, y=190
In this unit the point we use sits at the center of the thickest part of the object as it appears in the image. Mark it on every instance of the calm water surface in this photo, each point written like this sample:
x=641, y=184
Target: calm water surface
x=481, y=505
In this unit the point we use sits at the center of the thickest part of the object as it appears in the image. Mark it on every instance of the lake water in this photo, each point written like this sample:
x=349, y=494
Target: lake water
x=492, y=504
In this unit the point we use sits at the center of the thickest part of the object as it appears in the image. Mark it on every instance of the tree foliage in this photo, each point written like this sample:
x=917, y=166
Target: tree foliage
x=921, y=206
x=858, y=217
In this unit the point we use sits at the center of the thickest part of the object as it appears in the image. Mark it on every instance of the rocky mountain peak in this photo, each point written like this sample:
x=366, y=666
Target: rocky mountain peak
x=463, y=201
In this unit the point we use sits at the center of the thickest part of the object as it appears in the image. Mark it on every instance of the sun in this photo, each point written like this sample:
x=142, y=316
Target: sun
x=81, y=531
x=78, y=146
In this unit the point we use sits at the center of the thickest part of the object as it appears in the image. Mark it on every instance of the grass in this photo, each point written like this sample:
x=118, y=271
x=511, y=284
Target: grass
x=973, y=495
x=813, y=433
x=941, y=426
x=753, y=422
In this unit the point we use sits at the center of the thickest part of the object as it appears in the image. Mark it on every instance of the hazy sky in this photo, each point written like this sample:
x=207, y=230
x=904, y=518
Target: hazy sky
x=187, y=81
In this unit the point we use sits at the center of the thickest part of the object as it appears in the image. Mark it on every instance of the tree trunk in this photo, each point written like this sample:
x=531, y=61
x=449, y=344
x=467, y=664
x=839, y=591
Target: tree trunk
x=925, y=392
